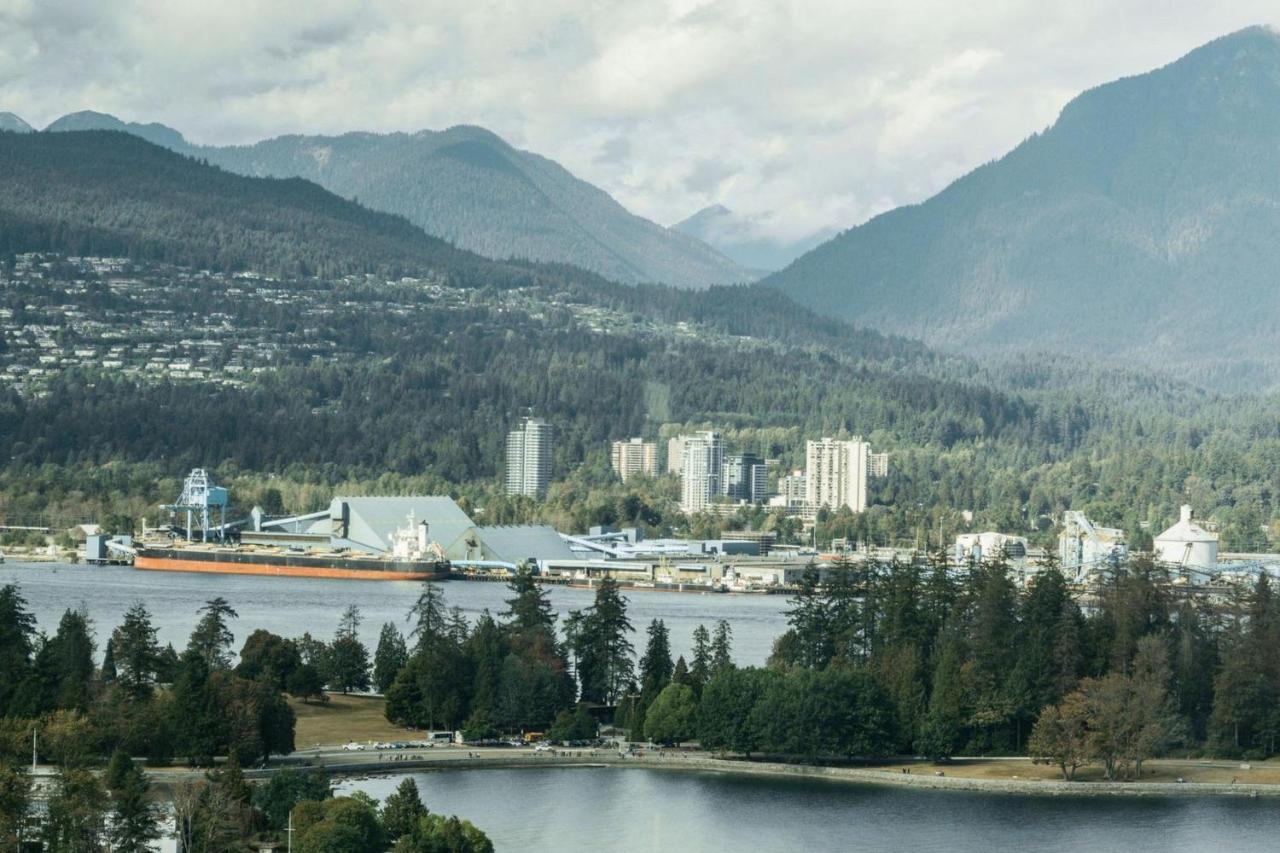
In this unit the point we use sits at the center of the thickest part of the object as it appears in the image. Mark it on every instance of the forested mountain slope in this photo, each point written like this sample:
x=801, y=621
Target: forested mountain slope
x=469, y=187
x=1142, y=224
x=110, y=193
x=318, y=377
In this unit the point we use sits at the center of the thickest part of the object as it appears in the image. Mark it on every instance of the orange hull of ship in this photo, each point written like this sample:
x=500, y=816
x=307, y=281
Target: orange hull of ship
x=162, y=564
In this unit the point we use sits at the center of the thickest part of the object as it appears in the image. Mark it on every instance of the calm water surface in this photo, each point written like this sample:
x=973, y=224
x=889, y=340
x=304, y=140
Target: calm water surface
x=653, y=810
x=648, y=810
x=290, y=606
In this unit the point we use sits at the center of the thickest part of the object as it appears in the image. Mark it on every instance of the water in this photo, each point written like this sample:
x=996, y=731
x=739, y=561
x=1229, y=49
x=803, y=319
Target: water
x=291, y=606
x=654, y=810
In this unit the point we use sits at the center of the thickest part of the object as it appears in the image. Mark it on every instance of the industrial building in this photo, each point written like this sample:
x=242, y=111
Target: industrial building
x=366, y=524
x=373, y=525
x=636, y=456
x=1084, y=547
x=529, y=458
x=1188, y=548
x=991, y=546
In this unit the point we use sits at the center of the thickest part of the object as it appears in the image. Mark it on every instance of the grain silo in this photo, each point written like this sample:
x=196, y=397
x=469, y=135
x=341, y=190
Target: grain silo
x=1188, y=545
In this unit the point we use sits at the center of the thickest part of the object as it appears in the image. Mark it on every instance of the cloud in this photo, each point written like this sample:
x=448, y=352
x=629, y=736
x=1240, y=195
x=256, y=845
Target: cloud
x=801, y=116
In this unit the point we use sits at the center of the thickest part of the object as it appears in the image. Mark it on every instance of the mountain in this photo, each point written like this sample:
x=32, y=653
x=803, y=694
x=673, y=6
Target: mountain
x=111, y=193
x=14, y=124
x=468, y=186
x=743, y=240
x=1142, y=224
x=157, y=134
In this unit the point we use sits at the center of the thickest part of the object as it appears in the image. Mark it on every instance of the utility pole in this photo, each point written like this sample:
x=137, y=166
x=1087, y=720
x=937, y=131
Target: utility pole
x=289, y=831
x=34, y=751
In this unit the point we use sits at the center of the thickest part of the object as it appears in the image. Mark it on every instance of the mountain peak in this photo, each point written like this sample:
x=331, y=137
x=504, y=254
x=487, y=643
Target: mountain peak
x=1103, y=233
x=14, y=124
x=744, y=239
x=158, y=134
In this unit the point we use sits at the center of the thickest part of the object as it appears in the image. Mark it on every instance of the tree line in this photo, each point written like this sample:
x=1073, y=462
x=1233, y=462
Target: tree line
x=91, y=720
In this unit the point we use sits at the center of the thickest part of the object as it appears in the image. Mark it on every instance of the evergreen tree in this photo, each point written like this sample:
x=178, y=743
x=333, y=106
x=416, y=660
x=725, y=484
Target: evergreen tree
x=402, y=809
x=722, y=648
x=992, y=634
x=844, y=634
x=941, y=730
x=487, y=650
x=135, y=819
x=655, y=664
x=109, y=662
x=137, y=652
x=391, y=656
x=348, y=657
x=681, y=674
x=814, y=644
x=458, y=628
x=117, y=769
x=604, y=653
x=700, y=669
x=429, y=615
x=196, y=719
x=530, y=618
x=17, y=644
x=212, y=637
x=65, y=664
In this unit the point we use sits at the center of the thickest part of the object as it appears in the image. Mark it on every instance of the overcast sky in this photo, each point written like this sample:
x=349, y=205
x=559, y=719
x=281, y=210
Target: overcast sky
x=806, y=115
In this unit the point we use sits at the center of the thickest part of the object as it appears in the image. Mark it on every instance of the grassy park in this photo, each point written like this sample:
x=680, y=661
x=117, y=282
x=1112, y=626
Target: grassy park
x=343, y=719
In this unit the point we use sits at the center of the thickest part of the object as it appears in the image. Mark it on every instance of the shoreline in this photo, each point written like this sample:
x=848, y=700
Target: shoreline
x=34, y=562
x=340, y=766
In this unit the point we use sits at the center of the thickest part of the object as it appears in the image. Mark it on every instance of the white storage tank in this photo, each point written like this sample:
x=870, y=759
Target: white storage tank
x=1188, y=544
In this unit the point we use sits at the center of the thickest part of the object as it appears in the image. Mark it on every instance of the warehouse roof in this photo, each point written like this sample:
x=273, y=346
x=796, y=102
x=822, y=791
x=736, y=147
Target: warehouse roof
x=516, y=543
x=367, y=523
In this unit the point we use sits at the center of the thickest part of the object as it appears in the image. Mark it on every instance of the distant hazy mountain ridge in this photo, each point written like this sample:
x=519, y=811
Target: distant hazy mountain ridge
x=468, y=186
x=738, y=238
x=14, y=124
x=1143, y=223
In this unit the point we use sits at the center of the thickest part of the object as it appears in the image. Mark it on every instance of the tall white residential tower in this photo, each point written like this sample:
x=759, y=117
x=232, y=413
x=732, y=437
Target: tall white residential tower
x=836, y=473
x=529, y=458
x=701, y=467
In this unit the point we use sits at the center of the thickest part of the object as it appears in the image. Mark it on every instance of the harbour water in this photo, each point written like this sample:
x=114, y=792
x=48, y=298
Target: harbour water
x=636, y=809
x=621, y=809
x=291, y=606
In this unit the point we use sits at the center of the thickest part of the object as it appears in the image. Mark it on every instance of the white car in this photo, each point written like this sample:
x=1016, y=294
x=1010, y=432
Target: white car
x=354, y=747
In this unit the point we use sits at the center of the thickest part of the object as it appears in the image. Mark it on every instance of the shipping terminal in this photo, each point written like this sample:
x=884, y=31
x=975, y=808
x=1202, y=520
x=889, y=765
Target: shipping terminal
x=430, y=537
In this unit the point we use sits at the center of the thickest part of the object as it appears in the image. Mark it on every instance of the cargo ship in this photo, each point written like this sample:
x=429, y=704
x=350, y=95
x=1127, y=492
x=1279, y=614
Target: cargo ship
x=333, y=543
x=284, y=562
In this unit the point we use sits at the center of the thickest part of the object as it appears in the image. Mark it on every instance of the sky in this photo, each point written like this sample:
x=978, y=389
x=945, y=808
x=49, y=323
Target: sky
x=801, y=116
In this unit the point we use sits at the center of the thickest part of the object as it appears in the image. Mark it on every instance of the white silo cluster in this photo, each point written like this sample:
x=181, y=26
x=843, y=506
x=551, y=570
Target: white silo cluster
x=1188, y=546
